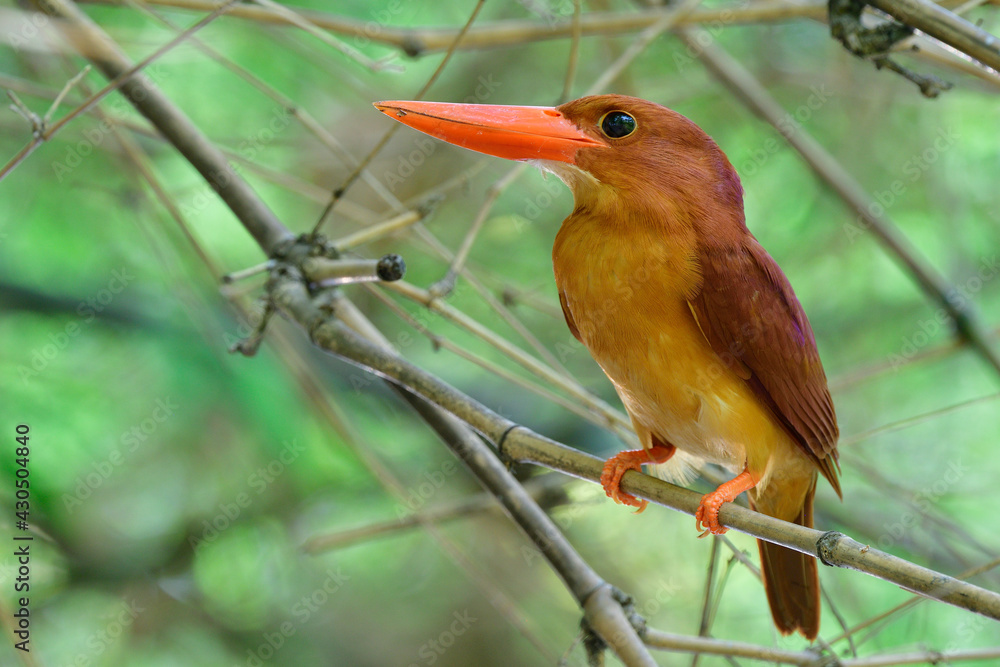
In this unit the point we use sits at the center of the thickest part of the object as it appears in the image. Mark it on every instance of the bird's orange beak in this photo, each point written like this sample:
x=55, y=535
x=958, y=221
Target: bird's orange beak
x=514, y=133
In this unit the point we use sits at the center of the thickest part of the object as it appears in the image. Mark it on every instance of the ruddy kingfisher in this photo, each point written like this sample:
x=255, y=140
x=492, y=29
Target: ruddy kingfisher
x=689, y=317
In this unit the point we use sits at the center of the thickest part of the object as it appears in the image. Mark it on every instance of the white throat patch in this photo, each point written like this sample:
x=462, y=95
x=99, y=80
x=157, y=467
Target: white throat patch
x=577, y=179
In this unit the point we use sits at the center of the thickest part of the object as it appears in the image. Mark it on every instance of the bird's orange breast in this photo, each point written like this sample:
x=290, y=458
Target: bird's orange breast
x=627, y=292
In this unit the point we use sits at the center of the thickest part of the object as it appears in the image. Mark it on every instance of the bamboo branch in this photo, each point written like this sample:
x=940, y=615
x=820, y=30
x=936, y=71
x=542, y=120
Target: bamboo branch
x=684, y=644
x=945, y=26
x=602, y=611
x=520, y=444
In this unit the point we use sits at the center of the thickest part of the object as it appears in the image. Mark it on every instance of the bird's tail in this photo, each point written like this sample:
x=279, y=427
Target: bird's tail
x=790, y=577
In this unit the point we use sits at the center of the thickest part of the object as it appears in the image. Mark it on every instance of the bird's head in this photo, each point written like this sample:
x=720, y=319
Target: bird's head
x=605, y=147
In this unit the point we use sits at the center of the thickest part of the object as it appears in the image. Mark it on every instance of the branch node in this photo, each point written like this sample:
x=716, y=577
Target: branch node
x=500, y=441
x=628, y=605
x=413, y=46
x=875, y=43
x=38, y=125
x=825, y=546
x=444, y=287
x=592, y=642
x=248, y=346
x=427, y=207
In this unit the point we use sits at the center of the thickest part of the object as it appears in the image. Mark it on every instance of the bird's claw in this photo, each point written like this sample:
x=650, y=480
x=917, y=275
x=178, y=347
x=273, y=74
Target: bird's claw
x=707, y=515
x=611, y=479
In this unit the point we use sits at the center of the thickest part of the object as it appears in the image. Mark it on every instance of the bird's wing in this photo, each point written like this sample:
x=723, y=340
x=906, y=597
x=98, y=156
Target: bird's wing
x=569, y=317
x=748, y=312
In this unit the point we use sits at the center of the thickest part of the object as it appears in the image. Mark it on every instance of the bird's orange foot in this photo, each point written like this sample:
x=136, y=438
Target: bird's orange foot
x=617, y=466
x=707, y=515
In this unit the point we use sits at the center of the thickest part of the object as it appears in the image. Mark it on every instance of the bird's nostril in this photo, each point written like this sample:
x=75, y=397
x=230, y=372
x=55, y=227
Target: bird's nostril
x=552, y=112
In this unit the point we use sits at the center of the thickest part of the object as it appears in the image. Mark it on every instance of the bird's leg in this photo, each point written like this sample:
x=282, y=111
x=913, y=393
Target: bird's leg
x=616, y=466
x=707, y=515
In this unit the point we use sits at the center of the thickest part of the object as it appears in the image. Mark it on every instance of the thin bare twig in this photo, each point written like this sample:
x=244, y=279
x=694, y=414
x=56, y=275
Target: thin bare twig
x=294, y=109
x=445, y=286
x=382, y=229
x=614, y=418
x=547, y=488
x=706, y=598
x=295, y=18
x=581, y=409
x=363, y=165
x=47, y=118
x=574, y=54
x=916, y=419
x=418, y=41
x=128, y=79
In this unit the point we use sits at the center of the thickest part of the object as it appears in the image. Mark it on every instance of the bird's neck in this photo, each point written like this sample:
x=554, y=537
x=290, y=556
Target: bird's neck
x=613, y=245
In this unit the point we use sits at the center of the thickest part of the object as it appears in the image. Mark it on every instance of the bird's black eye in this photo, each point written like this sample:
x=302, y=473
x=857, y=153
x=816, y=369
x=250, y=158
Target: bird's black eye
x=617, y=124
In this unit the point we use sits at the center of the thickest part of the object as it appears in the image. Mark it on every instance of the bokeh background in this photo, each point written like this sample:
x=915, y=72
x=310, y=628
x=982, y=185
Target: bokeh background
x=177, y=488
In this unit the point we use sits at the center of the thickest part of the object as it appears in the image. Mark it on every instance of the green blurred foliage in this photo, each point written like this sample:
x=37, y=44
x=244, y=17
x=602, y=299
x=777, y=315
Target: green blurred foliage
x=174, y=484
